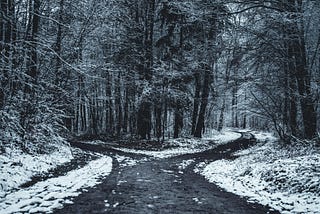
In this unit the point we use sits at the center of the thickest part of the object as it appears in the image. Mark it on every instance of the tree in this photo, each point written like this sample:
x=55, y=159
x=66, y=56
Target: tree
x=297, y=50
x=283, y=32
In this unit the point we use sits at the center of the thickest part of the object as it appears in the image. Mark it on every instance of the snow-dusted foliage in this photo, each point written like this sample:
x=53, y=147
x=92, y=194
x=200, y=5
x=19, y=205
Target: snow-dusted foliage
x=44, y=131
x=32, y=127
x=10, y=128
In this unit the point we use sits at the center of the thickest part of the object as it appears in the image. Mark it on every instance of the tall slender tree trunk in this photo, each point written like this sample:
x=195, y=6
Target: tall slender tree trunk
x=227, y=77
x=32, y=63
x=204, y=102
x=126, y=110
x=196, y=102
x=158, y=126
x=292, y=98
x=221, y=118
x=57, y=47
x=235, y=121
x=118, y=105
x=165, y=113
x=93, y=129
x=244, y=122
x=109, y=104
x=178, y=122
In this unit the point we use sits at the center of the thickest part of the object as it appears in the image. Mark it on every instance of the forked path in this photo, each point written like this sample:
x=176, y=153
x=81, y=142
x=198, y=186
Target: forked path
x=164, y=186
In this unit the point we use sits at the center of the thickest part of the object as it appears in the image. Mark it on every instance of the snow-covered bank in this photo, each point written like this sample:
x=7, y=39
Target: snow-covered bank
x=287, y=179
x=47, y=195
x=187, y=146
x=17, y=167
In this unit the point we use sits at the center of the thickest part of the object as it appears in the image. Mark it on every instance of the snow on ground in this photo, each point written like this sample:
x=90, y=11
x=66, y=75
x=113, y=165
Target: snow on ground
x=17, y=168
x=222, y=137
x=125, y=161
x=185, y=163
x=98, y=143
x=264, y=136
x=188, y=146
x=286, y=179
x=51, y=194
x=164, y=153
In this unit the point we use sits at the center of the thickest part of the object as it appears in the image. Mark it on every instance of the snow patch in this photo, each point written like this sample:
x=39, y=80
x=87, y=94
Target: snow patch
x=17, y=168
x=185, y=163
x=162, y=154
x=51, y=194
x=125, y=161
x=265, y=136
x=288, y=181
x=222, y=137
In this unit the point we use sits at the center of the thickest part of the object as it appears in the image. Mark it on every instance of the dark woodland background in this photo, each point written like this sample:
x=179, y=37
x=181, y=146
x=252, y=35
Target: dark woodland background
x=157, y=69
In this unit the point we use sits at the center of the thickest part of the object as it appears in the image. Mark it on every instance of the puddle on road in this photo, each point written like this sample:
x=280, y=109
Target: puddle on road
x=199, y=201
x=150, y=206
x=121, y=182
x=144, y=180
x=115, y=205
x=167, y=171
x=106, y=203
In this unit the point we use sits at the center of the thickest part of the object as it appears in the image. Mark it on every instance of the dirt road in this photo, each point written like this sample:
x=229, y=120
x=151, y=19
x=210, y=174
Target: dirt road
x=162, y=186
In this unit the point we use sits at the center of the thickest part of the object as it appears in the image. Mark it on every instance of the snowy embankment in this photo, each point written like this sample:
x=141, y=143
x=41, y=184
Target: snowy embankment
x=51, y=194
x=17, y=168
x=286, y=179
x=187, y=146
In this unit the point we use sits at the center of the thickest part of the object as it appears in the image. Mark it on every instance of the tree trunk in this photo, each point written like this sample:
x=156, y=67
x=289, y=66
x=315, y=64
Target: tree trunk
x=204, y=102
x=109, y=104
x=221, y=118
x=126, y=111
x=165, y=116
x=196, y=102
x=292, y=104
x=178, y=122
x=144, y=120
x=57, y=47
x=235, y=122
x=32, y=66
x=93, y=117
x=158, y=126
x=309, y=114
x=302, y=75
x=244, y=124
x=118, y=105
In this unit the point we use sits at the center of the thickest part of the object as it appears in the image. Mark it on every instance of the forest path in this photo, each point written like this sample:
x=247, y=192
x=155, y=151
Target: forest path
x=146, y=185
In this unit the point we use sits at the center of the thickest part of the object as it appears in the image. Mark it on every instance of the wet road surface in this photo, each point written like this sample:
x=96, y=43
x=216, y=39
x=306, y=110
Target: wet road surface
x=162, y=186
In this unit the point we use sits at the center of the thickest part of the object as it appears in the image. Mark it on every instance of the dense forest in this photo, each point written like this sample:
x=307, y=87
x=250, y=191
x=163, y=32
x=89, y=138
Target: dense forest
x=157, y=69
